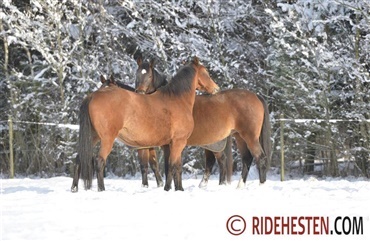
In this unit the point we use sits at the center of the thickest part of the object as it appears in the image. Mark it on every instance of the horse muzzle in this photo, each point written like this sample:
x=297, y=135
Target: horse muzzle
x=142, y=92
x=216, y=90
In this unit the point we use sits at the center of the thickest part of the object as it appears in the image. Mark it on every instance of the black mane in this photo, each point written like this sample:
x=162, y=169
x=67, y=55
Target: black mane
x=112, y=81
x=181, y=82
x=126, y=87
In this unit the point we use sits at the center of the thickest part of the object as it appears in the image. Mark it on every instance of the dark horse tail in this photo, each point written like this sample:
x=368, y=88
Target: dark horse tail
x=85, y=144
x=265, y=137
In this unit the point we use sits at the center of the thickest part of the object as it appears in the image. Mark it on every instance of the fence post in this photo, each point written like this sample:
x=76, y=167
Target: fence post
x=11, y=154
x=282, y=147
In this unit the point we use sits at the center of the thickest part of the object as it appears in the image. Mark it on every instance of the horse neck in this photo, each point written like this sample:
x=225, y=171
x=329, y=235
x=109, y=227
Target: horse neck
x=187, y=98
x=192, y=95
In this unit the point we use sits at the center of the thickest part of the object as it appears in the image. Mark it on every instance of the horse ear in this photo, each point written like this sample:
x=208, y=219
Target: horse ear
x=151, y=64
x=139, y=61
x=102, y=79
x=196, y=60
x=112, y=80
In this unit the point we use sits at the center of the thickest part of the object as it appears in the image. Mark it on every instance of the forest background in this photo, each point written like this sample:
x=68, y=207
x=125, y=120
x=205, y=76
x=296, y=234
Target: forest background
x=309, y=59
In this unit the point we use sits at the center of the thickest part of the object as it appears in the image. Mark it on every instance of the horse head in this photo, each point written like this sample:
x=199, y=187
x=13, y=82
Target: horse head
x=144, y=83
x=204, y=81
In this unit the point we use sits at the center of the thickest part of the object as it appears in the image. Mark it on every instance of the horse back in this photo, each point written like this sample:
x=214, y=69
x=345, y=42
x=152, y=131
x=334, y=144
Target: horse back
x=218, y=116
x=137, y=120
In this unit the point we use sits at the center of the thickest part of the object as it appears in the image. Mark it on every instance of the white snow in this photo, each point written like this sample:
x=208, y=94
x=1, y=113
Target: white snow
x=45, y=209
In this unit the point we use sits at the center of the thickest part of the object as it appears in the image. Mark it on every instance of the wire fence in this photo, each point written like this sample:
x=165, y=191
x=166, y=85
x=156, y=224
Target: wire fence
x=297, y=159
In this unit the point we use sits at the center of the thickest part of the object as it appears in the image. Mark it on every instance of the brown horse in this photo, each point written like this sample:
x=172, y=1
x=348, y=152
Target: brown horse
x=163, y=118
x=236, y=112
x=146, y=156
x=147, y=81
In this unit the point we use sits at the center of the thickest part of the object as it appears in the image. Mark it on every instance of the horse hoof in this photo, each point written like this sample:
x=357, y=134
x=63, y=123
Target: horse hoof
x=167, y=188
x=74, y=189
x=145, y=185
x=179, y=189
x=100, y=189
x=161, y=184
x=241, y=185
x=203, y=184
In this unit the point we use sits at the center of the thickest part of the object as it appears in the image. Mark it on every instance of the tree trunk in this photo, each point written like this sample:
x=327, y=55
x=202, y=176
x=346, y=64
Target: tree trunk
x=12, y=100
x=330, y=142
x=310, y=154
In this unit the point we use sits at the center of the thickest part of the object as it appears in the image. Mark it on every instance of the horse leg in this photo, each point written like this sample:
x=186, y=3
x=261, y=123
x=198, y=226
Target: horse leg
x=221, y=160
x=256, y=151
x=210, y=161
x=76, y=176
x=229, y=159
x=174, y=169
x=247, y=162
x=260, y=158
x=155, y=167
x=105, y=148
x=143, y=155
x=166, y=156
x=246, y=157
x=100, y=165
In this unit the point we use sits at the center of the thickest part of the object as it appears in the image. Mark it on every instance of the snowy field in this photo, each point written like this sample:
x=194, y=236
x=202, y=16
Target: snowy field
x=45, y=209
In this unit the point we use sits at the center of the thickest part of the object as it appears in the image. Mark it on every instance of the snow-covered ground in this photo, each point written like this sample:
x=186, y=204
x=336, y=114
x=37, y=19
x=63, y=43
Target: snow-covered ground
x=45, y=209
